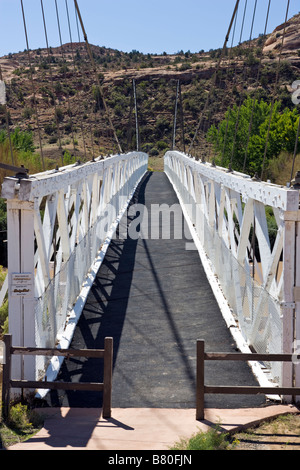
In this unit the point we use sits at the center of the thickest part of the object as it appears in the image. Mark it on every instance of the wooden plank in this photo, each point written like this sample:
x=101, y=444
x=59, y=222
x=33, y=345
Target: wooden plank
x=95, y=387
x=200, y=381
x=107, y=377
x=244, y=390
x=249, y=357
x=58, y=352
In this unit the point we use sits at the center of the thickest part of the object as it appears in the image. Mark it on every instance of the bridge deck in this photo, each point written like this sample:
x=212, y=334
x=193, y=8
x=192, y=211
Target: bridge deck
x=153, y=298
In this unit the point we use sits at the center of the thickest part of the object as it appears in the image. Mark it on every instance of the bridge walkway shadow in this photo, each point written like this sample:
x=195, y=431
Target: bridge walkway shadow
x=152, y=296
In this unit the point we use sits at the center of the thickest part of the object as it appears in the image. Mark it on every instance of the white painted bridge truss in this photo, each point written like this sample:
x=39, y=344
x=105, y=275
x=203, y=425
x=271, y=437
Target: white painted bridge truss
x=258, y=289
x=59, y=226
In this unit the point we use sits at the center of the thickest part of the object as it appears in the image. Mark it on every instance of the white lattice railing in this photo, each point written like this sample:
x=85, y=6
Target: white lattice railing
x=59, y=226
x=257, y=288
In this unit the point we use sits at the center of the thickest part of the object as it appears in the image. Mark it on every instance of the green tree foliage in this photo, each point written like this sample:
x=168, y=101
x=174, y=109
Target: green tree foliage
x=22, y=141
x=237, y=142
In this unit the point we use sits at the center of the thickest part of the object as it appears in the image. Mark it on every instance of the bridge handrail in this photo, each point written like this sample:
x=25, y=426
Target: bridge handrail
x=257, y=284
x=60, y=224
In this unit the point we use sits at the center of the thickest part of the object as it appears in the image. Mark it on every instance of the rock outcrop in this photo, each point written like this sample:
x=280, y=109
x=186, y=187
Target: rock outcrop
x=285, y=36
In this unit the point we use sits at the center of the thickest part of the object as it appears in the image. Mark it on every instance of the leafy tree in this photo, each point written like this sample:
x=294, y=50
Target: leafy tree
x=242, y=146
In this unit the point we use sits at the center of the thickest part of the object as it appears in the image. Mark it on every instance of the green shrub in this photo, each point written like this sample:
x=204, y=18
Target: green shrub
x=209, y=440
x=24, y=420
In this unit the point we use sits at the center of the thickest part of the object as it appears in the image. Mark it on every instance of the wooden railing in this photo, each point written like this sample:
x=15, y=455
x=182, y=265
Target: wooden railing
x=202, y=389
x=105, y=387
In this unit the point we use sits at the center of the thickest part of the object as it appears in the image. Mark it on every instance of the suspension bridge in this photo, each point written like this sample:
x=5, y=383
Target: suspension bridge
x=105, y=248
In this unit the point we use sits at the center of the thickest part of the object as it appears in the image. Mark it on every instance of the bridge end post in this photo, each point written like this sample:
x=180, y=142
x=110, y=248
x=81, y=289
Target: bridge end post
x=200, y=380
x=107, y=377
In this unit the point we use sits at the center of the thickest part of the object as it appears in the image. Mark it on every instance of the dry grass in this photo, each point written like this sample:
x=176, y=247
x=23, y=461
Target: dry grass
x=280, y=168
x=282, y=433
x=156, y=164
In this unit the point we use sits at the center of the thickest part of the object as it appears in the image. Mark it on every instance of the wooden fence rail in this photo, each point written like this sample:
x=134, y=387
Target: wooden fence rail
x=202, y=389
x=106, y=387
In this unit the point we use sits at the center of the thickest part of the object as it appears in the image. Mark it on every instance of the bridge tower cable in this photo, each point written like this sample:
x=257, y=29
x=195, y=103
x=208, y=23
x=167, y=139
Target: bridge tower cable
x=235, y=75
x=129, y=131
x=244, y=81
x=52, y=81
x=243, y=21
x=256, y=86
x=234, y=80
x=181, y=119
x=215, y=74
x=175, y=116
x=97, y=77
x=136, y=117
x=77, y=25
x=90, y=124
x=32, y=85
x=275, y=90
x=227, y=73
x=74, y=68
x=65, y=74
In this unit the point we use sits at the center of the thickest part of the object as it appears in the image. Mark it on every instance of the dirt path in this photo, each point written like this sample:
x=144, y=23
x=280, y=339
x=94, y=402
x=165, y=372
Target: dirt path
x=283, y=433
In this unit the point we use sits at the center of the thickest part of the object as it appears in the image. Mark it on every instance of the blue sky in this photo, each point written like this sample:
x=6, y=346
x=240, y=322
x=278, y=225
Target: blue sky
x=151, y=26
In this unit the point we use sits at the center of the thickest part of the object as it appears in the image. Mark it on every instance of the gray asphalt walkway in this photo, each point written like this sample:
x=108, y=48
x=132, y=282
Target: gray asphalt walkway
x=152, y=296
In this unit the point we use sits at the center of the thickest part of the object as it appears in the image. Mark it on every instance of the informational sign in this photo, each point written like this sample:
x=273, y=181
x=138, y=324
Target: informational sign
x=21, y=284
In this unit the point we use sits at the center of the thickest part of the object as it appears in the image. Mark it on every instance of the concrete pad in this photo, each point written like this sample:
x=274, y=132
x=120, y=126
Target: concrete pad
x=136, y=428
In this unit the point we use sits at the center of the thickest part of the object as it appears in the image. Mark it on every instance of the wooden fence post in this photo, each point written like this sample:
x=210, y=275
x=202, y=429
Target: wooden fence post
x=6, y=377
x=107, y=377
x=200, y=380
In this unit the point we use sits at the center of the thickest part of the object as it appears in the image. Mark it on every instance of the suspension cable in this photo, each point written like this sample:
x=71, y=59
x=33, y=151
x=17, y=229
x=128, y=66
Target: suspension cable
x=74, y=66
x=215, y=74
x=136, y=117
x=245, y=71
x=275, y=89
x=240, y=100
x=175, y=115
x=181, y=118
x=77, y=25
x=96, y=75
x=51, y=77
x=64, y=73
x=32, y=84
x=243, y=22
x=234, y=80
x=256, y=88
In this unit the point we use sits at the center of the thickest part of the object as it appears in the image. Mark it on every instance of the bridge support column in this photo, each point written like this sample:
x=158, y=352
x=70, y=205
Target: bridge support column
x=296, y=363
x=20, y=223
x=291, y=304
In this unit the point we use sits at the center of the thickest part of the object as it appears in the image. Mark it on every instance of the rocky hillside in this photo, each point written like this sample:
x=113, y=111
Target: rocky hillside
x=70, y=109
x=286, y=36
